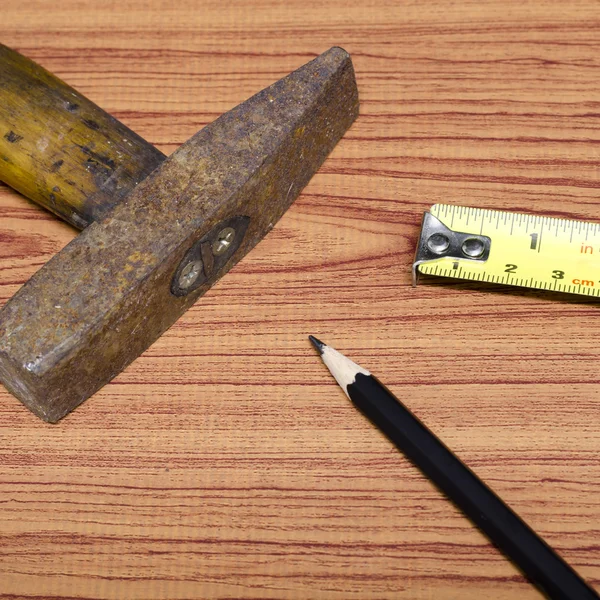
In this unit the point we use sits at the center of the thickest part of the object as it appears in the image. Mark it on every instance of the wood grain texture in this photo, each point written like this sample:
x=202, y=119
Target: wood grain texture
x=225, y=462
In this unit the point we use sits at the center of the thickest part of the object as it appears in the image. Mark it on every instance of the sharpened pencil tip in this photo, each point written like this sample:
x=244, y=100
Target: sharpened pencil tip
x=318, y=344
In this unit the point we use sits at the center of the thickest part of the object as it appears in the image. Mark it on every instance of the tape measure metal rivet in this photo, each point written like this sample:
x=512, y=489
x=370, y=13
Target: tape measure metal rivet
x=438, y=243
x=473, y=247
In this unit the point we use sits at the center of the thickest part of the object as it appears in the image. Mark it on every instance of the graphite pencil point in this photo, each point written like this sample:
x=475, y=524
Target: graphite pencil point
x=318, y=344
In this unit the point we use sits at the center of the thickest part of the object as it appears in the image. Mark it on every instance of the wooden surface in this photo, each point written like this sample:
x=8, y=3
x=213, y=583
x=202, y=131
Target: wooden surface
x=225, y=462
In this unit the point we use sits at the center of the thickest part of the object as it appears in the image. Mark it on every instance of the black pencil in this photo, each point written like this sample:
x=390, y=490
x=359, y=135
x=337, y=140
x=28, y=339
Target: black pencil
x=502, y=526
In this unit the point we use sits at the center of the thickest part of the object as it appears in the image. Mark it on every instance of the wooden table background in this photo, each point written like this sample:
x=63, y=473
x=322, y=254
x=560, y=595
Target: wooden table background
x=225, y=462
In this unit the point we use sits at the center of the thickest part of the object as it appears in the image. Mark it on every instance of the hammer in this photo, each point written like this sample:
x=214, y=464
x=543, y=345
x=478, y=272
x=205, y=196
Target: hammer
x=157, y=232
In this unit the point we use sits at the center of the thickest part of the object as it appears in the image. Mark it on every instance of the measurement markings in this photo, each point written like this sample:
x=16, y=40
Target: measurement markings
x=563, y=250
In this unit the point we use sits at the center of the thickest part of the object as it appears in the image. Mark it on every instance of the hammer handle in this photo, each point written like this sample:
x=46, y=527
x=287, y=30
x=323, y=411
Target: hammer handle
x=61, y=150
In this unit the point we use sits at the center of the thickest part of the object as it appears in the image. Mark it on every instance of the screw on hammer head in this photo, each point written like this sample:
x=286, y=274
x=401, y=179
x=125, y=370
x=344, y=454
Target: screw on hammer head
x=111, y=292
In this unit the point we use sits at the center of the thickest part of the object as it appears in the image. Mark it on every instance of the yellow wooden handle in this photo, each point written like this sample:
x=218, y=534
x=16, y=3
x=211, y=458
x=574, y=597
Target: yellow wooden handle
x=61, y=150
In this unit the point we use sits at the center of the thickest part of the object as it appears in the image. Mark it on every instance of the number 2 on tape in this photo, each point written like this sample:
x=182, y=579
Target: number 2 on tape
x=510, y=248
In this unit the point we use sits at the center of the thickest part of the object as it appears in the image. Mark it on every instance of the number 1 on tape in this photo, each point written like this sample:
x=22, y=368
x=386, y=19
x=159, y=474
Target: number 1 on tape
x=510, y=248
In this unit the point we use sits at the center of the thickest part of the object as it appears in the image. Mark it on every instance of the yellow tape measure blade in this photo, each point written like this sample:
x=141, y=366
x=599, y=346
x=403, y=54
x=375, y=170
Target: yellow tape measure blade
x=518, y=249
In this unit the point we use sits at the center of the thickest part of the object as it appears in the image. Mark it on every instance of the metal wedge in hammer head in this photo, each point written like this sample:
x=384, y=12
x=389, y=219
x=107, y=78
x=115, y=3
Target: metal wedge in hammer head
x=111, y=292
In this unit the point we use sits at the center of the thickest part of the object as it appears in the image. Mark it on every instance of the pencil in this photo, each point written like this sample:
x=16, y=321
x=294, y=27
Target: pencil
x=502, y=526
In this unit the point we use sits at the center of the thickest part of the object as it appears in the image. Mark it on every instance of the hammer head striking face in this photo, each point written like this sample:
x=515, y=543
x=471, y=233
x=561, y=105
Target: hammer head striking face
x=113, y=290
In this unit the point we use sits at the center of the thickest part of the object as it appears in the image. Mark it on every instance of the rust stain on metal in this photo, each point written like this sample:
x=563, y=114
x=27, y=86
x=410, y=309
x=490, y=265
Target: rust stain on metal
x=112, y=291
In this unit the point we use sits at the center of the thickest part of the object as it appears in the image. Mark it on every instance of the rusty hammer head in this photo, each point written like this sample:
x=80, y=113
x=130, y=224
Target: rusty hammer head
x=124, y=280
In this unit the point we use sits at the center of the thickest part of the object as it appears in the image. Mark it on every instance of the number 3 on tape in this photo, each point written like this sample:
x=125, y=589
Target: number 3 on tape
x=510, y=248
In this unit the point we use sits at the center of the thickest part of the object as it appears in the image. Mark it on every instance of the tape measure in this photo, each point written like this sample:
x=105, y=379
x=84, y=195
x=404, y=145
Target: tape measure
x=510, y=248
